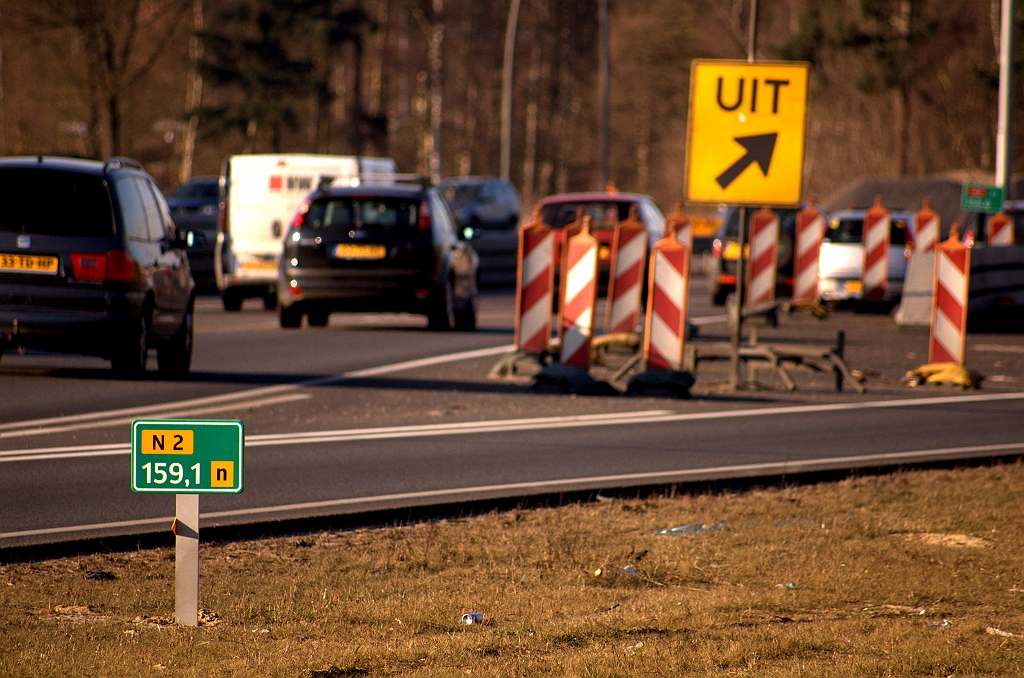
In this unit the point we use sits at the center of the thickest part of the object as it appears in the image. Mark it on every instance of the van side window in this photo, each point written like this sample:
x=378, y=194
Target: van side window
x=165, y=211
x=133, y=215
x=155, y=223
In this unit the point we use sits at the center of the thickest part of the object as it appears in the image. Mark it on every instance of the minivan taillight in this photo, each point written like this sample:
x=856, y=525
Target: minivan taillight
x=89, y=266
x=424, y=222
x=120, y=266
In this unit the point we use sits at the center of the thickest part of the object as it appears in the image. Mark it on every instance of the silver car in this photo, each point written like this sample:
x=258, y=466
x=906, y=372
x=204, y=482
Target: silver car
x=841, y=259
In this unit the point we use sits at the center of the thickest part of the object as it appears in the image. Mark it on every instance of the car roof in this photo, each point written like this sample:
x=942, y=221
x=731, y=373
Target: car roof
x=54, y=162
x=376, y=190
x=592, y=197
x=859, y=214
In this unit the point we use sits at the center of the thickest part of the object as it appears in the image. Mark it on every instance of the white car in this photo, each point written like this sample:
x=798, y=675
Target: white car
x=841, y=259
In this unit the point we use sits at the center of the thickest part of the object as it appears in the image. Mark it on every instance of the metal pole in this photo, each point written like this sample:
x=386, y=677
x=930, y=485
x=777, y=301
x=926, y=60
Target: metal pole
x=195, y=93
x=1004, y=126
x=186, y=559
x=506, y=90
x=752, y=32
x=603, y=76
x=436, y=91
x=735, y=376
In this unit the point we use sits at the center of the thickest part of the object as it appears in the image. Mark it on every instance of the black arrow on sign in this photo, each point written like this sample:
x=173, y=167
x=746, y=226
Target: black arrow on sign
x=760, y=148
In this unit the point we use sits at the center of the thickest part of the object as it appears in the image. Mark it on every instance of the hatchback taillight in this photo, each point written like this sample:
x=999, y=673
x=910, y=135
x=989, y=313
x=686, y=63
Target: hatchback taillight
x=89, y=266
x=716, y=249
x=300, y=215
x=222, y=218
x=120, y=266
x=424, y=222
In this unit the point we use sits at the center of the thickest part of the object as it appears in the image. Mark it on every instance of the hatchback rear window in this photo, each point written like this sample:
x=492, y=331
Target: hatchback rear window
x=368, y=214
x=464, y=193
x=603, y=213
x=197, y=190
x=54, y=202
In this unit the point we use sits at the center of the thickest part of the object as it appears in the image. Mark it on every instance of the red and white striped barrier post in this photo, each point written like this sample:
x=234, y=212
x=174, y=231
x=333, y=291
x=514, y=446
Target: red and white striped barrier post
x=926, y=228
x=948, y=338
x=562, y=252
x=810, y=229
x=679, y=224
x=579, y=296
x=629, y=250
x=1000, y=230
x=667, y=298
x=535, y=278
x=875, y=273
x=764, y=248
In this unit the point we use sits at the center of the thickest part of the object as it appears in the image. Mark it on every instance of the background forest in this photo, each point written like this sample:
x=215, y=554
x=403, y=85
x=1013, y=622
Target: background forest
x=899, y=87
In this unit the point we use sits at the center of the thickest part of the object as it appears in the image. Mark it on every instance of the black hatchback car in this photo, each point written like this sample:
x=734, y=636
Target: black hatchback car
x=377, y=248
x=91, y=263
x=194, y=206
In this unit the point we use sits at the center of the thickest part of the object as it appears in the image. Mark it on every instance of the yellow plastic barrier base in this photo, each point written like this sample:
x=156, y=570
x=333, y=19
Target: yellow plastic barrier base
x=944, y=373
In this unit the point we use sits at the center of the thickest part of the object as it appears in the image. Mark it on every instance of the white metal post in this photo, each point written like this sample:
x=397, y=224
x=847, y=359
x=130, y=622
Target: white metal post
x=186, y=559
x=1004, y=124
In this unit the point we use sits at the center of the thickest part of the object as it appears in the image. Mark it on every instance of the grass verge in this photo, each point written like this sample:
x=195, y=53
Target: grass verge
x=914, y=573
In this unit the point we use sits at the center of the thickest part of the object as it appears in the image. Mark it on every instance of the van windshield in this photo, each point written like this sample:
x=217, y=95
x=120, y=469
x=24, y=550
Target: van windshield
x=368, y=214
x=54, y=202
x=852, y=231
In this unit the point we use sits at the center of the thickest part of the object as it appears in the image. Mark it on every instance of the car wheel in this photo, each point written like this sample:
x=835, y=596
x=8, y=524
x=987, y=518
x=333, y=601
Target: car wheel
x=232, y=300
x=290, y=317
x=465, y=317
x=130, y=359
x=719, y=295
x=319, y=318
x=270, y=301
x=441, y=316
x=174, y=357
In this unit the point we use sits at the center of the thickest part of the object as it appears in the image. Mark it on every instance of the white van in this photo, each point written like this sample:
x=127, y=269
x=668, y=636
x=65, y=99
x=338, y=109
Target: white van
x=841, y=258
x=259, y=195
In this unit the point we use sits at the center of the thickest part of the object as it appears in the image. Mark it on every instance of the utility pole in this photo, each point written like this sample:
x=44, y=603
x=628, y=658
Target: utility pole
x=603, y=85
x=1004, y=124
x=506, y=90
x=436, y=42
x=735, y=367
x=194, y=96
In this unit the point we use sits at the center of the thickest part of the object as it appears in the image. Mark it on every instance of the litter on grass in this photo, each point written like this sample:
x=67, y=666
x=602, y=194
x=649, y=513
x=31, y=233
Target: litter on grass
x=471, y=618
x=993, y=631
x=692, y=528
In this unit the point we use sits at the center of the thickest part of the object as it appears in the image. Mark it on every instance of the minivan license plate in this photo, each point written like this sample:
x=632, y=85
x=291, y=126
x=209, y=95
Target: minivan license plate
x=350, y=251
x=28, y=263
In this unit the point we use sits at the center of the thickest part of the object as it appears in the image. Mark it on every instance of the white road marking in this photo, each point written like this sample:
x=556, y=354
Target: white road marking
x=116, y=417
x=514, y=425
x=591, y=482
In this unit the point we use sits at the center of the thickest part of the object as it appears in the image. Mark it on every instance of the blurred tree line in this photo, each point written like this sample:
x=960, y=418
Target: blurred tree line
x=898, y=86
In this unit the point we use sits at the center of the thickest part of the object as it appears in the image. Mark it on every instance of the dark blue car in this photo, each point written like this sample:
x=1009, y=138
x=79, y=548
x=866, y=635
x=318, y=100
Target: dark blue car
x=194, y=207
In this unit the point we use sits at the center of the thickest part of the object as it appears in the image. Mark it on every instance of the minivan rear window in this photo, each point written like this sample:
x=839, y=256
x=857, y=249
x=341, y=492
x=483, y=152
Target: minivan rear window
x=54, y=202
x=367, y=214
x=852, y=231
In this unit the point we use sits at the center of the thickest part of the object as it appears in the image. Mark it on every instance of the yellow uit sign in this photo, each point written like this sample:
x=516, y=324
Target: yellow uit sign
x=745, y=142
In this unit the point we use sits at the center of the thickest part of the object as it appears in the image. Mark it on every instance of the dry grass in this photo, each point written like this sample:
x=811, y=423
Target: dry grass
x=849, y=578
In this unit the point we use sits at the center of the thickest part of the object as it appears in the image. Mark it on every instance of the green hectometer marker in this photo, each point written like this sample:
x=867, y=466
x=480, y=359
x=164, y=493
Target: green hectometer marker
x=188, y=456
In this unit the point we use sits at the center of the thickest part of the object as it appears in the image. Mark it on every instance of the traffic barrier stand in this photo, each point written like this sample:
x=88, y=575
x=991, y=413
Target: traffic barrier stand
x=1000, y=230
x=665, y=325
x=535, y=273
x=562, y=237
x=578, y=296
x=926, y=228
x=810, y=230
x=875, y=271
x=761, y=267
x=629, y=250
x=948, y=338
x=681, y=226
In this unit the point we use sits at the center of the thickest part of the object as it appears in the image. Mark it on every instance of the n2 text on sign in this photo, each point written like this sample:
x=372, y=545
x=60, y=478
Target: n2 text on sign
x=746, y=132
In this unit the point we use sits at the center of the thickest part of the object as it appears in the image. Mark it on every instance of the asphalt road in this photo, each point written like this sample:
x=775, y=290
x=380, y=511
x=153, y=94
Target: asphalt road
x=376, y=412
